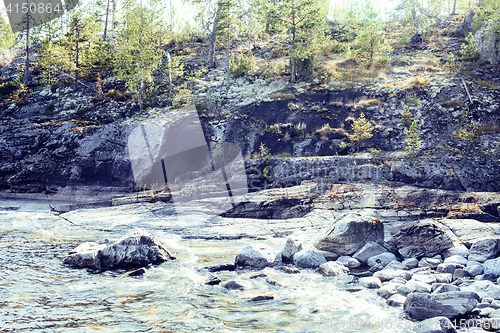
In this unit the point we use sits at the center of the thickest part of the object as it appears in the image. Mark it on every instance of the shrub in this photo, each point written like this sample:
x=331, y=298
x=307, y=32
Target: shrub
x=406, y=117
x=362, y=131
x=412, y=100
x=241, y=65
x=182, y=97
x=412, y=138
x=7, y=88
x=117, y=95
x=468, y=50
x=264, y=152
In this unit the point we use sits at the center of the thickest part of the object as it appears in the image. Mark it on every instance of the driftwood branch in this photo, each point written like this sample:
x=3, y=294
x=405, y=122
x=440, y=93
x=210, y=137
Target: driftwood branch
x=467, y=90
x=71, y=77
x=465, y=85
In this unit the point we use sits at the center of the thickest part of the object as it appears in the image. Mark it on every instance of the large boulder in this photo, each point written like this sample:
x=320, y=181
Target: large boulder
x=470, y=231
x=421, y=306
x=492, y=267
x=290, y=248
x=488, y=43
x=484, y=288
x=420, y=239
x=382, y=259
x=435, y=325
x=259, y=256
x=85, y=255
x=332, y=268
x=349, y=233
x=484, y=249
x=467, y=24
x=137, y=248
x=370, y=249
x=308, y=258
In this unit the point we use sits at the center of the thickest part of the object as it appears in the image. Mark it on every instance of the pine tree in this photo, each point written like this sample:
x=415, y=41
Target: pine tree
x=81, y=35
x=362, y=131
x=305, y=22
x=369, y=41
x=223, y=20
x=7, y=37
x=413, y=138
x=137, y=49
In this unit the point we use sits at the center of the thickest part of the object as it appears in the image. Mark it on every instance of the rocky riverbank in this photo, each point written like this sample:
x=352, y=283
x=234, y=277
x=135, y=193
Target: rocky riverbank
x=442, y=270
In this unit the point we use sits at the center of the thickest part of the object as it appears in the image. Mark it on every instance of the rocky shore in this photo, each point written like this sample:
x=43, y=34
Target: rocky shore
x=442, y=272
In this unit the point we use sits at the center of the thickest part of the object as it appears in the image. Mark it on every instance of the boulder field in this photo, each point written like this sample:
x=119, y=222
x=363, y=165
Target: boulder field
x=449, y=272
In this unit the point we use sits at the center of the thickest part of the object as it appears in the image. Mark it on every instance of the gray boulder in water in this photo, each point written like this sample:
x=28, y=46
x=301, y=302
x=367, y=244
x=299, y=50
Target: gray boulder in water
x=137, y=248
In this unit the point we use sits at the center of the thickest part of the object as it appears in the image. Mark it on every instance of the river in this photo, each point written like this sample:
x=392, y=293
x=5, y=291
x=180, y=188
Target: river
x=39, y=294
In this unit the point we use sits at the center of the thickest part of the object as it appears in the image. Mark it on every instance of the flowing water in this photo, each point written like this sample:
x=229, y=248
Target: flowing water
x=39, y=294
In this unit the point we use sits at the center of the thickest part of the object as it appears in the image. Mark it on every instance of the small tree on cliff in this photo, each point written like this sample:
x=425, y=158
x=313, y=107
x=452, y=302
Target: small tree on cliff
x=362, y=131
x=137, y=52
x=305, y=22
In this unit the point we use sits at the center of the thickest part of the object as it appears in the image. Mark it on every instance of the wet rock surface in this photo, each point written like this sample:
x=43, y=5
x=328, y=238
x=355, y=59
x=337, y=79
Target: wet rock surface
x=137, y=248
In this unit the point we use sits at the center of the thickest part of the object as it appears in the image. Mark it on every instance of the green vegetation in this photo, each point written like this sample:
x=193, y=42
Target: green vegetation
x=304, y=21
x=412, y=139
x=6, y=36
x=406, y=116
x=362, y=131
x=137, y=59
x=240, y=65
x=7, y=88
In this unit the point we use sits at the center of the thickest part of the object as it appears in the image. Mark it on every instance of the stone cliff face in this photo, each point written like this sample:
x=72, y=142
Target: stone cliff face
x=36, y=157
x=58, y=137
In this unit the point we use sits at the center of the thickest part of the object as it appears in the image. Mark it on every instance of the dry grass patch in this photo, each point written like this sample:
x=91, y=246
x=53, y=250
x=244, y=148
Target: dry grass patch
x=451, y=104
x=326, y=130
x=337, y=103
x=486, y=84
x=282, y=96
x=416, y=82
x=349, y=70
x=491, y=128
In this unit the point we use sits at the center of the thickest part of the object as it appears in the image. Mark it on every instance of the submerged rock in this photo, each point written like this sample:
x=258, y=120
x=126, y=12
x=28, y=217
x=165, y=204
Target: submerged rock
x=236, y=285
x=332, y=268
x=222, y=267
x=259, y=256
x=308, y=258
x=213, y=280
x=137, y=248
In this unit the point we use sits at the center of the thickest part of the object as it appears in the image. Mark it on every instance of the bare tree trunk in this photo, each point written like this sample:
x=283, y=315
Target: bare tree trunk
x=454, y=7
x=293, y=43
x=213, y=37
x=268, y=22
x=171, y=20
x=141, y=92
x=77, y=52
x=113, y=23
x=228, y=68
x=27, y=63
x=106, y=23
